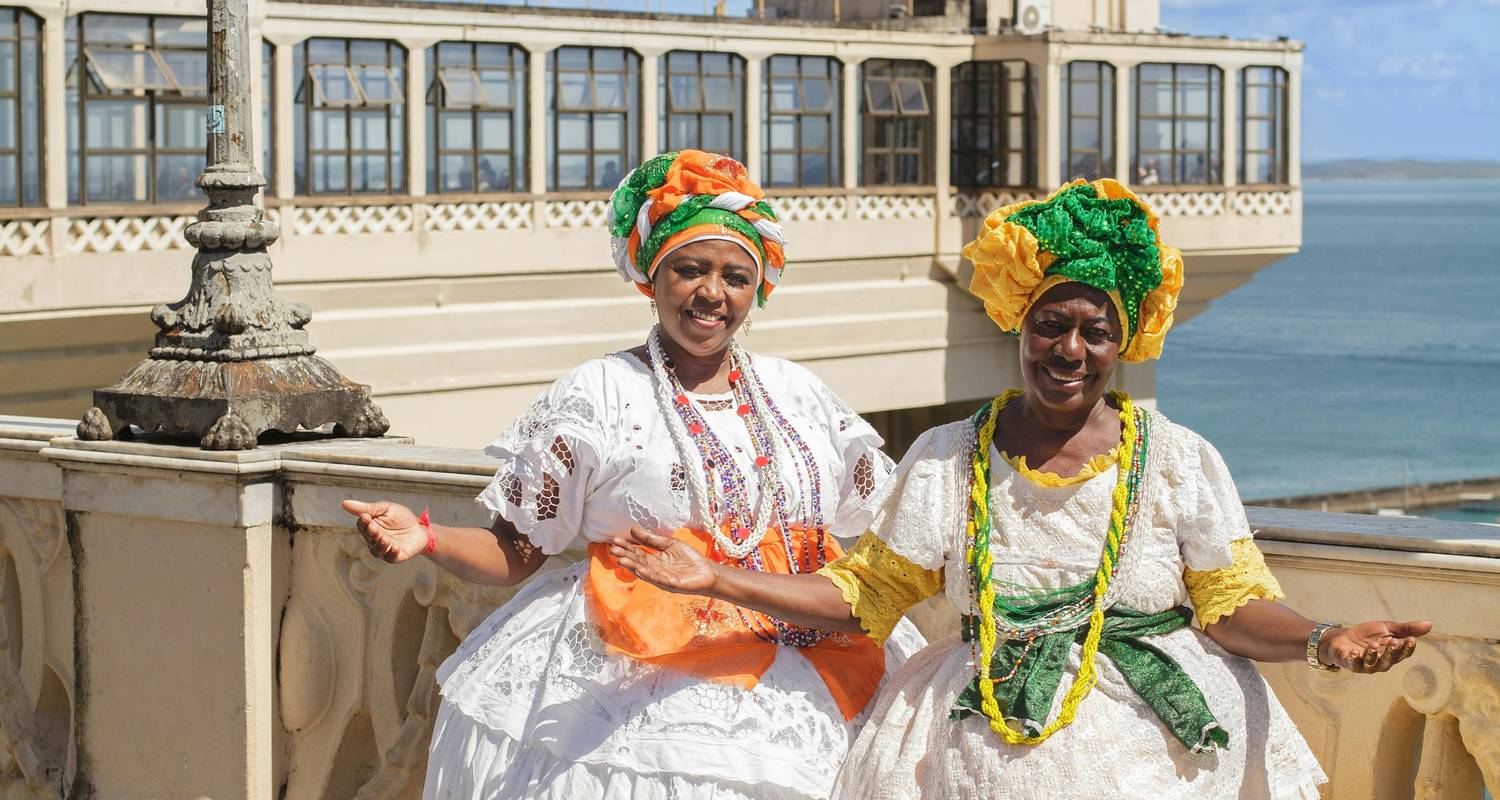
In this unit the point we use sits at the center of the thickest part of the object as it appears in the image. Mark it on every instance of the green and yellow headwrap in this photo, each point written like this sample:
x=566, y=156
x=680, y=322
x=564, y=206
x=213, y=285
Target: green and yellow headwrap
x=682, y=197
x=1099, y=234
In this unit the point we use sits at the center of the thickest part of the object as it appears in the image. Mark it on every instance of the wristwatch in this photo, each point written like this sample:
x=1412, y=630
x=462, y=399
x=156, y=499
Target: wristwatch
x=1313, y=640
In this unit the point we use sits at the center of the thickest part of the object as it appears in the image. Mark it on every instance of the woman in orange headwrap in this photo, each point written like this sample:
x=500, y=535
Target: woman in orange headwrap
x=590, y=683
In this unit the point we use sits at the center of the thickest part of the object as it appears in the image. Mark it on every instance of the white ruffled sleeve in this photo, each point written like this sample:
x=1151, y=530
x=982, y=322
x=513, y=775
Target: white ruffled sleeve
x=1207, y=507
x=864, y=467
x=548, y=459
x=924, y=505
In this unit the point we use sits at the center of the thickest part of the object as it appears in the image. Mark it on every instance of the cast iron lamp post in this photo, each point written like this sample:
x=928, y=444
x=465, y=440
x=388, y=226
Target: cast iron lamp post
x=232, y=359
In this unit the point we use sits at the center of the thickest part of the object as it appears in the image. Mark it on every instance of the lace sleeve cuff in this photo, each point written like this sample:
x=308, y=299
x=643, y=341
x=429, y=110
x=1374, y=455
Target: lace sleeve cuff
x=880, y=585
x=1216, y=594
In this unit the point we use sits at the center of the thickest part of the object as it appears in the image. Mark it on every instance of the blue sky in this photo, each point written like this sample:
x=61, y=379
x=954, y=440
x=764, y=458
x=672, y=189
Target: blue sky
x=1381, y=78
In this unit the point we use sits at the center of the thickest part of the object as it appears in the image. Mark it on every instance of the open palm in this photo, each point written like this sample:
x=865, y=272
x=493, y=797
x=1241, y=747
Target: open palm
x=392, y=532
x=664, y=562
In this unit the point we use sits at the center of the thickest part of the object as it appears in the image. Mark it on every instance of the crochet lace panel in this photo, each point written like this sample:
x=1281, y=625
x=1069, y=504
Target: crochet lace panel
x=880, y=585
x=1216, y=594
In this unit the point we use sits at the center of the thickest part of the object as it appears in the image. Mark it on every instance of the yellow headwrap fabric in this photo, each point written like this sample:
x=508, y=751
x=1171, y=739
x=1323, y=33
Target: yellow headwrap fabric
x=1099, y=234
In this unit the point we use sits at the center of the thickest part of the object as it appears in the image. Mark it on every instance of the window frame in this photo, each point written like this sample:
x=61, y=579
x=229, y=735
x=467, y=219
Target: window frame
x=994, y=76
x=892, y=123
x=833, y=74
x=155, y=104
x=30, y=117
x=440, y=107
x=394, y=111
x=670, y=113
x=630, y=72
x=1277, y=116
x=1213, y=173
x=1105, y=112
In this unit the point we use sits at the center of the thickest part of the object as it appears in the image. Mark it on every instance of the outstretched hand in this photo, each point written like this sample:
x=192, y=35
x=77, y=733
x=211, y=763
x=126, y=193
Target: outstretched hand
x=664, y=562
x=1373, y=646
x=392, y=532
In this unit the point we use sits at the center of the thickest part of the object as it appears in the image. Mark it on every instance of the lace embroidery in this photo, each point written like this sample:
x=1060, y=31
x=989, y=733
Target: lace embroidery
x=548, y=500
x=864, y=476
x=880, y=585
x=511, y=486
x=716, y=405
x=679, y=480
x=563, y=454
x=1217, y=593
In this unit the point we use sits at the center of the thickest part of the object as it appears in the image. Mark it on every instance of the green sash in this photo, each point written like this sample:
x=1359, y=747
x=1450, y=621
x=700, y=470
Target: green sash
x=1036, y=669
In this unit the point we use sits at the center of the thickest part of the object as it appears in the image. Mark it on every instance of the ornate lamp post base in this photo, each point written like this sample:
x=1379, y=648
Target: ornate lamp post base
x=227, y=404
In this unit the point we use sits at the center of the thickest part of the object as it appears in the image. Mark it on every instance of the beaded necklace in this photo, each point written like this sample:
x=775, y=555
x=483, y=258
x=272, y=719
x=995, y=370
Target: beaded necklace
x=1037, y=613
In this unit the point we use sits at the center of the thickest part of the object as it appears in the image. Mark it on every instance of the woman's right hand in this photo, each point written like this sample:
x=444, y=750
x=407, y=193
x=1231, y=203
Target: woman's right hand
x=391, y=530
x=675, y=566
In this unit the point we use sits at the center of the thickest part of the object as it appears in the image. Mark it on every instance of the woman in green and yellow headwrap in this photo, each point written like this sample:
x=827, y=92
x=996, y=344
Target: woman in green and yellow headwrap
x=1078, y=537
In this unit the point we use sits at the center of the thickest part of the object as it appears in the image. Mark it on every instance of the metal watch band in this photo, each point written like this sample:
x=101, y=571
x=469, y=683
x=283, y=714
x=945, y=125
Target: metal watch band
x=1313, y=640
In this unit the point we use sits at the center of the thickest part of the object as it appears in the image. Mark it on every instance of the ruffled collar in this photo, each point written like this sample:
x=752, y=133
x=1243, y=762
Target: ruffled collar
x=1091, y=469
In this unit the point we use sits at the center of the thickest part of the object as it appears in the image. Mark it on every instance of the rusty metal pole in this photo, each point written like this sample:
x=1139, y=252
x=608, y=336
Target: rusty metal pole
x=232, y=359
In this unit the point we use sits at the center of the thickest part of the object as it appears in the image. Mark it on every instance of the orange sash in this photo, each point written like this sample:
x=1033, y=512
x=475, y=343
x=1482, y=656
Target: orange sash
x=709, y=638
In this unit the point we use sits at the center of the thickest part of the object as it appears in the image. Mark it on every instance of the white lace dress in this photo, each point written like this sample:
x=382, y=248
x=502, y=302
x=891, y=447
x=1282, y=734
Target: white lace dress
x=534, y=707
x=1050, y=537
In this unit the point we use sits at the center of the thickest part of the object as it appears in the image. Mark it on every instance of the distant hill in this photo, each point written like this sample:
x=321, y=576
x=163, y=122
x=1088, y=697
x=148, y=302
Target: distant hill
x=1401, y=169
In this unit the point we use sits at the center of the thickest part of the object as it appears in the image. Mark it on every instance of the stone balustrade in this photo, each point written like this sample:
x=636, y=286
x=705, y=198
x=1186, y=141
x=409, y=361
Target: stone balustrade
x=178, y=623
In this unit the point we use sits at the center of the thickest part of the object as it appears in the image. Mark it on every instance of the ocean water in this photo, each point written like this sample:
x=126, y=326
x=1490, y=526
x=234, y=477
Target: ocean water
x=1377, y=344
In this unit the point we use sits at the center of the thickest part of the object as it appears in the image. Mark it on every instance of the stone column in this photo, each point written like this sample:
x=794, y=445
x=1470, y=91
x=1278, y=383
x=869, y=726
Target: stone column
x=1049, y=113
x=1294, y=124
x=284, y=91
x=755, y=66
x=1229, y=157
x=55, y=125
x=942, y=150
x=1124, y=115
x=416, y=115
x=650, y=127
x=174, y=551
x=538, y=117
x=850, y=145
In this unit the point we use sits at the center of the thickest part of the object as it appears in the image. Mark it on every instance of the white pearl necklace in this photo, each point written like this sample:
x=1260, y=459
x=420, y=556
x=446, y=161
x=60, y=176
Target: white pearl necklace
x=701, y=509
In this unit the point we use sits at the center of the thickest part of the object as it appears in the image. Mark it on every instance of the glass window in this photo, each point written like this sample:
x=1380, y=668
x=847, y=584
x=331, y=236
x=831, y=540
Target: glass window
x=350, y=106
x=896, y=123
x=994, y=125
x=1263, y=133
x=800, y=101
x=593, y=98
x=1177, y=114
x=476, y=118
x=137, y=86
x=703, y=102
x=20, y=108
x=267, y=112
x=1088, y=120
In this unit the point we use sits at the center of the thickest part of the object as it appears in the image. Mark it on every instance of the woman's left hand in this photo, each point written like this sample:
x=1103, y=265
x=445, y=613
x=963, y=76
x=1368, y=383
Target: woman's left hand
x=1373, y=646
x=666, y=562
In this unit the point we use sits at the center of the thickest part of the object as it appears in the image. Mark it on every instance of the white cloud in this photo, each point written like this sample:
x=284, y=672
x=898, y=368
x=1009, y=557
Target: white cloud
x=1426, y=67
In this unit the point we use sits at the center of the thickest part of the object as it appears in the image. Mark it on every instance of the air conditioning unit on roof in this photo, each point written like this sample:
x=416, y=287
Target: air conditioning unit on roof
x=1033, y=16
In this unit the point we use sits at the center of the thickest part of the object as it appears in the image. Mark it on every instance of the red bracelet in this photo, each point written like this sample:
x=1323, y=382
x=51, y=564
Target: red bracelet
x=431, y=538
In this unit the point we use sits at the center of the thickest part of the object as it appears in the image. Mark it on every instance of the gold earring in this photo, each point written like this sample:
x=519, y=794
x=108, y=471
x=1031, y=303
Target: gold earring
x=653, y=307
x=748, y=323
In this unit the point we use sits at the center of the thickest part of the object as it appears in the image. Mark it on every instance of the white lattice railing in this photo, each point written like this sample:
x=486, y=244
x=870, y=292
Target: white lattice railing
x=811, y=208
x=894, y=206
x=325, y=220
x=1262, y=204
x=127, y=234
x=575, y=213
x=25, y=237
x=478, y=217
x=980, y=204
x=1252, y=203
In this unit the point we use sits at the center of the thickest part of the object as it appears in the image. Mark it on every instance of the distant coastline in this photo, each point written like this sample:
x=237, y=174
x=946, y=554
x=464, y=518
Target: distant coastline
x=1403, y=169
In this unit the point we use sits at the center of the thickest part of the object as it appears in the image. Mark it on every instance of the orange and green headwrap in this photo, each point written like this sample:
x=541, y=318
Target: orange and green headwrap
x=1099, y=234
x=683, y=197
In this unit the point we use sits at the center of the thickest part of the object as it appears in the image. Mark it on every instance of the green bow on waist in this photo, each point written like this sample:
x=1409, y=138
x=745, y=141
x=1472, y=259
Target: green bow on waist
x=1031, y=671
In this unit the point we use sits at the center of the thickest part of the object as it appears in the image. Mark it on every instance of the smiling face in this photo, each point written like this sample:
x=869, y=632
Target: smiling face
x=704, y=291
x=1070, y=343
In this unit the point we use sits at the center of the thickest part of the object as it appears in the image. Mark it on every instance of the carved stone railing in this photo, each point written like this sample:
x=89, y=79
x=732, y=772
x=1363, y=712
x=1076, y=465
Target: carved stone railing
x=301, y=620
x=25, y=237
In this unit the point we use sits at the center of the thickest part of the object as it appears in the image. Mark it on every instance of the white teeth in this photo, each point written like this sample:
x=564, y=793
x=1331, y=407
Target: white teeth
x=706, y=317
x=1064, y=378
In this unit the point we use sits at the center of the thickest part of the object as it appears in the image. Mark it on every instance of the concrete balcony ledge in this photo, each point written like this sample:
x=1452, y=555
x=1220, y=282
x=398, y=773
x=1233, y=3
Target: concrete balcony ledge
x=221, y=604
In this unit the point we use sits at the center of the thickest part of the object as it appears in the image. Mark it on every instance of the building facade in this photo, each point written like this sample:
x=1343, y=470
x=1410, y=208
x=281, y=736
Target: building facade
x=439, y=172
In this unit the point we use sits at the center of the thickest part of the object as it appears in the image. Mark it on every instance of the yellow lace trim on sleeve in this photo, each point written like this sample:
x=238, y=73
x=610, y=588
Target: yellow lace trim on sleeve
x=1095, y=466
x=1217, y=593
x=879, y=584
